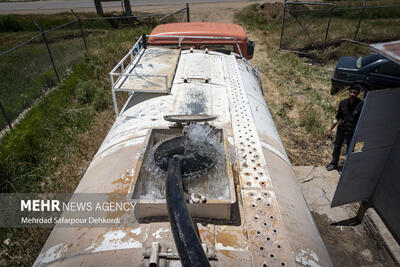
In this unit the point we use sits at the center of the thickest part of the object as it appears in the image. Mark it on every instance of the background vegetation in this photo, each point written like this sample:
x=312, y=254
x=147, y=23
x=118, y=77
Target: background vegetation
x=297, y=90
x=27, y=72
x=378, y=23
x=50, y=149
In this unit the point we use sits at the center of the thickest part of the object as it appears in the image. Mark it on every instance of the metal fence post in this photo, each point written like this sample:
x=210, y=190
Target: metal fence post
x=128, y=10
x=329, y=24
x=359, y=21
x=187, y=12
x=283, y=24
x=80, y=26
x=48, y=50
x=5, y=115
x=99, y=7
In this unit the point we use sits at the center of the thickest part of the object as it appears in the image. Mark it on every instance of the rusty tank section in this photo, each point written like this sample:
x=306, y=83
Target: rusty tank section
x=237, y=184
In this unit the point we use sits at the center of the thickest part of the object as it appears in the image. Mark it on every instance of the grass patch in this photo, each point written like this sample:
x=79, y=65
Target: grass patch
x=297, y=89
x=17, y=23
x=27, y=71
x=378, y=24
x=51, y=148
x=375, y=9
x=24, y=23
x=64, y=112
x=26, y=149
x=310, y=119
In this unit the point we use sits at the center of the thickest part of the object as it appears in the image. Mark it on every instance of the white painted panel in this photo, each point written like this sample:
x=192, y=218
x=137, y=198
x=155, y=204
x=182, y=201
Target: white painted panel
x=199, y=65
x=192, y=98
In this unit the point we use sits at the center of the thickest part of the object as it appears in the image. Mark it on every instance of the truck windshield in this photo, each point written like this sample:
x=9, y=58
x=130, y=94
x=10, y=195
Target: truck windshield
x=223, y=48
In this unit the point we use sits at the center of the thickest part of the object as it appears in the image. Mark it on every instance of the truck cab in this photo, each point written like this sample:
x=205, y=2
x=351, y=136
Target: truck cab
x=220, y=37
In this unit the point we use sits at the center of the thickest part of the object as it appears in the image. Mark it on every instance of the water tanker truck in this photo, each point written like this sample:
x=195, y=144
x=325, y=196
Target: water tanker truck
x=195, y=152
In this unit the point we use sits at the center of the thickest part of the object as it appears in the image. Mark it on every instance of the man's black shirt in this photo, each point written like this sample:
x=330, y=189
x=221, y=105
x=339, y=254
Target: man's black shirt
x=349, y=114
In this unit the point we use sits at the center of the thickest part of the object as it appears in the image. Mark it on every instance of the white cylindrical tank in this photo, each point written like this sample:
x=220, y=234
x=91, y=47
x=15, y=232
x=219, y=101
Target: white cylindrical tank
x=275, y=227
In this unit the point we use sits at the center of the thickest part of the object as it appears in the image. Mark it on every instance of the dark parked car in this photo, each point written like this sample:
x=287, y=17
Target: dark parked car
x=372, y=72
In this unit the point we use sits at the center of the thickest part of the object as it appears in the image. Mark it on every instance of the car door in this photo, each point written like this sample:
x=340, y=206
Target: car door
x=386, y=75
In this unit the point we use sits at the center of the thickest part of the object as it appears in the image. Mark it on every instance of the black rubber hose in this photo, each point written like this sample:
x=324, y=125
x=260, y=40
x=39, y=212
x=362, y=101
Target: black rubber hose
x=187, y=242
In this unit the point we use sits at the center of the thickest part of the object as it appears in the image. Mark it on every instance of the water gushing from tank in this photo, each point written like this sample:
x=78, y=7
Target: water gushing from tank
x=200, y=145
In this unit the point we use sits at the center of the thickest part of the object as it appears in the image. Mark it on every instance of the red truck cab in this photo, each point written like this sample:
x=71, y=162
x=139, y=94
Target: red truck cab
x=220, y=37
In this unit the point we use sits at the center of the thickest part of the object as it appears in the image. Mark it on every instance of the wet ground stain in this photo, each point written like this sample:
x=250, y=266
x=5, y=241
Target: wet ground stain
x=351, y=245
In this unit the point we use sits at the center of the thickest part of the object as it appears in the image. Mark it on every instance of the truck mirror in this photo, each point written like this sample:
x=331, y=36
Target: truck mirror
x=250, y=49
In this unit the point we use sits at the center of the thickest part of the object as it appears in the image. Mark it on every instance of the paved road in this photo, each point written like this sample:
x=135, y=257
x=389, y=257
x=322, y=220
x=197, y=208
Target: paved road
x=46, y=5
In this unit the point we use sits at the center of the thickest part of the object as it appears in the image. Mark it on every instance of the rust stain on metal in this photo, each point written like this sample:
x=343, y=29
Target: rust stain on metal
x=227, y=239
x=124, y=182
x=81, y=235
x=206, y=236
x=231, y=238
x=228, y=254
x=269, y=243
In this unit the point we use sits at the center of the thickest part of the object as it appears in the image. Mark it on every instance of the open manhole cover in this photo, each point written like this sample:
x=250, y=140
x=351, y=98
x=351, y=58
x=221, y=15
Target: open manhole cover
x=195, y=163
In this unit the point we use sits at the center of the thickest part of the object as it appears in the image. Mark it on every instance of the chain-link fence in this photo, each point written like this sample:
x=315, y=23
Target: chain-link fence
x=30, y=69
x=310, y=25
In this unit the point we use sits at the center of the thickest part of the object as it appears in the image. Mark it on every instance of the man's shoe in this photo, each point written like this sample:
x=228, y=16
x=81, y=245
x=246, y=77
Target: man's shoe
x=330, y=167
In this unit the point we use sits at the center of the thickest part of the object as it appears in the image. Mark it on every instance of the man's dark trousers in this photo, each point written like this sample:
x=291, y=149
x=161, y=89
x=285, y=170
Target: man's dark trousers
x=341, y=135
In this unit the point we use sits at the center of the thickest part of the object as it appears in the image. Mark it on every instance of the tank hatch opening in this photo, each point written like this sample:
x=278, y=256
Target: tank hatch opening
x=208, y=182
x=197, y=158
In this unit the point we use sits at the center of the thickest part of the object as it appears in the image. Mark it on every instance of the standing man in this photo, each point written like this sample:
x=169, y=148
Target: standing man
x=347, y=117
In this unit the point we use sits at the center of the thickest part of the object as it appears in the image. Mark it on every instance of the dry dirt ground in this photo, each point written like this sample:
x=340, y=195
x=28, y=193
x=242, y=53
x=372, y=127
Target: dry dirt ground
x=347, y=245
